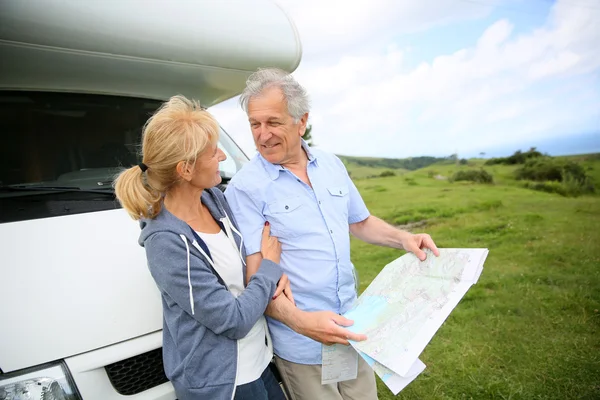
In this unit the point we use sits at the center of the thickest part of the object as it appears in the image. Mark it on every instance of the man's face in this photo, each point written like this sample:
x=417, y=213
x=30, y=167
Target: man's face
x=276, y=136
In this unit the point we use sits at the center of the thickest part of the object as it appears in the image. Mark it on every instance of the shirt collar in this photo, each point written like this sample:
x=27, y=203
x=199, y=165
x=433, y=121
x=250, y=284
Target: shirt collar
x=274, y=169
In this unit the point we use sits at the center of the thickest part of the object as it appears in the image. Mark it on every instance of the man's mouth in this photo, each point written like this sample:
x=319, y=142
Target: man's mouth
x=270, y=146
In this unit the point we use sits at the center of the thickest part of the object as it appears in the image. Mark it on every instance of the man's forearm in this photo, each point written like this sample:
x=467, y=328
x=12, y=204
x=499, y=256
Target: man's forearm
x=376, y=231
x=284, y=311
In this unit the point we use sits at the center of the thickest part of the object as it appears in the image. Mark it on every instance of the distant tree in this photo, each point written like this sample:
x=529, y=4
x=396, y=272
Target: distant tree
x=307, y=136
x=517, y=158
x=482, y=154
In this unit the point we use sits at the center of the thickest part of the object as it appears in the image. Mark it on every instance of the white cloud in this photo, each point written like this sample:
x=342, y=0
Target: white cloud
x=338, y=26
x=366, y=101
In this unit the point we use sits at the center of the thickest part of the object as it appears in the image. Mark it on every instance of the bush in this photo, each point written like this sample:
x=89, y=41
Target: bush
x=463, y=161
x=480, y=176
x=517, y=158
x=548, y=187
x=552, y=175
x=411, y=181
x=387, y=173
x=556, y=176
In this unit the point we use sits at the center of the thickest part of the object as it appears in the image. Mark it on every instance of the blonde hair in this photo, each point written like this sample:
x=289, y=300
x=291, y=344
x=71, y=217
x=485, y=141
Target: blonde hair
x=178, y=131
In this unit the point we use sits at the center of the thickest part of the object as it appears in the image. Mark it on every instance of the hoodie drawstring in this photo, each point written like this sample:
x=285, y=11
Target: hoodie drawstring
x=187, y=247
x=229, y=227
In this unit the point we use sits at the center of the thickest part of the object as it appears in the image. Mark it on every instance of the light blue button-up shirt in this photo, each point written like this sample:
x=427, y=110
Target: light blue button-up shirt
x=312, y=225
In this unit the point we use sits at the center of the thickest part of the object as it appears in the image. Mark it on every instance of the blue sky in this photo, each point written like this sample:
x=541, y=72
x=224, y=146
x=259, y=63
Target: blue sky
x=434, y=77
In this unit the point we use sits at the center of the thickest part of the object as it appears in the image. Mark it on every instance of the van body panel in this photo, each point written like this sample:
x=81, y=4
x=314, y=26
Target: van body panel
x=203, y=49
x=73, y=284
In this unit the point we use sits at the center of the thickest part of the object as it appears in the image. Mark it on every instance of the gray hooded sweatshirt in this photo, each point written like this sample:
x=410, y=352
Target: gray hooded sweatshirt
x=202, y=320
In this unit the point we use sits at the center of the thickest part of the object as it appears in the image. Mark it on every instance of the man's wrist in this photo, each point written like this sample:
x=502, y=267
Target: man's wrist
x=403, y=238
x=298, y=320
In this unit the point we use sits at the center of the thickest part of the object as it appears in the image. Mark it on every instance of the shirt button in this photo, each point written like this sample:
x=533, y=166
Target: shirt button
x=319, y=201
x=331, y=231
x=340, y=192
x=286, y=207
x=298, y=180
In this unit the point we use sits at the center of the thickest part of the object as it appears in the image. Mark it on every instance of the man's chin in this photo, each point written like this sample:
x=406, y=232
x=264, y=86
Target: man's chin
x=272, y=158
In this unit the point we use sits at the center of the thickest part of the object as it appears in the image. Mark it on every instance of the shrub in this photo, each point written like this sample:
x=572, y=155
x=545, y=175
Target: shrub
x=480, y=176
x=387, y=173
x=411, y=181
x=548, y=187
x=517, y=158
x=566, y=178
x=463, y=161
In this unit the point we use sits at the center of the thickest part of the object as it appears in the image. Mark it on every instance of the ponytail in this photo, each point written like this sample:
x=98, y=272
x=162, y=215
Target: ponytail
x=136, y=197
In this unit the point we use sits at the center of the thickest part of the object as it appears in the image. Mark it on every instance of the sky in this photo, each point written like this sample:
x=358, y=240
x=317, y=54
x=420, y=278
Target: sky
x=407, y=78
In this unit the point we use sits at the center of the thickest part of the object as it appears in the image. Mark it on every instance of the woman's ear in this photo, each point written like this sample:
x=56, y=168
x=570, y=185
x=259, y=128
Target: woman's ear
x=184, y=170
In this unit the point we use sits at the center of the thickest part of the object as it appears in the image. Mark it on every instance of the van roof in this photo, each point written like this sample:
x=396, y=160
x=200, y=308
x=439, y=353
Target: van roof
x=202, y=49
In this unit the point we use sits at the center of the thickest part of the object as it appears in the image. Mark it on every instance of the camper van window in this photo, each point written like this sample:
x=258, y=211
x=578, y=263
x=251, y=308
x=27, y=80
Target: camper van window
x=55, y=141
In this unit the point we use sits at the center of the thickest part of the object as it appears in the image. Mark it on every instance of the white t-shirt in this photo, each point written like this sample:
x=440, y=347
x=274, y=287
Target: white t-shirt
x=253, y=353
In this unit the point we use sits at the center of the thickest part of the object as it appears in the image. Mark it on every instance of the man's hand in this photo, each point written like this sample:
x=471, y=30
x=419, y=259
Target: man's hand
x=324, y=327
x=415, y=244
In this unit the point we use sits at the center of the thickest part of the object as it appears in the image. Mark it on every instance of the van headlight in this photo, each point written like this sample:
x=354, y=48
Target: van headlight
x=47, y=382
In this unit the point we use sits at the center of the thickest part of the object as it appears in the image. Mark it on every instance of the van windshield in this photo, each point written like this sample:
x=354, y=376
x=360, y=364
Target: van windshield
x=70, y=146
x=79, y=141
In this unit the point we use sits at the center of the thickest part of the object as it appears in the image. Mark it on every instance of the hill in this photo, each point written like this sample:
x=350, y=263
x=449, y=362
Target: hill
x=369, y=167
x=410, y=164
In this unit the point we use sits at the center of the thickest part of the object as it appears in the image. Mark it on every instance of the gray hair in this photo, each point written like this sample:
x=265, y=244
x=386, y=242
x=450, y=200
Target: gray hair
x=295, y=95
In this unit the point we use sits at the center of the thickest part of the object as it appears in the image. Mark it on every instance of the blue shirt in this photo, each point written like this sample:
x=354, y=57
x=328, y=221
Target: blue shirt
x=312, y=225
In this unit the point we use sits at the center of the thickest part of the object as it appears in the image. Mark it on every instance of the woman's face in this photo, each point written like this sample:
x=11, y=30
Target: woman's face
x=206, y=170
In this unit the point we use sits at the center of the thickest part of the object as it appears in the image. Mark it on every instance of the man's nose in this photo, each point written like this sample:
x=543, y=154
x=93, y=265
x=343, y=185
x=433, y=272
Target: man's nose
x=263, y=133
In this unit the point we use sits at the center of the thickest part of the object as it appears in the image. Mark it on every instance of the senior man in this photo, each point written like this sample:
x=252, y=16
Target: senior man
x=312, y=205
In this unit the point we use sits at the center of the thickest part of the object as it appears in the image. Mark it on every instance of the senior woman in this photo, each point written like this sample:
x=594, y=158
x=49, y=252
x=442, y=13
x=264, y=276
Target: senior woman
x=216, y=343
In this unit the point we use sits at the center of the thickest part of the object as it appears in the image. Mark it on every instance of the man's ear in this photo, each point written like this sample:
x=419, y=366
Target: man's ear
x=303, y=122
x=184, y=170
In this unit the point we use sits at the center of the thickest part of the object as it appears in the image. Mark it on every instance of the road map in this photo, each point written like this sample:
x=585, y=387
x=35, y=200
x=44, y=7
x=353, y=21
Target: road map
x=405, y=305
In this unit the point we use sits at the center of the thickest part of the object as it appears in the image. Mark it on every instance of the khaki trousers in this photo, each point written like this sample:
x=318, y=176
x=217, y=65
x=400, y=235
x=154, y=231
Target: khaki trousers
x=303, y=382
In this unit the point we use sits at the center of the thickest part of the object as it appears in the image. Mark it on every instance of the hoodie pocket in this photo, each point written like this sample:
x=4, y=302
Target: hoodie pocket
x=213, y=362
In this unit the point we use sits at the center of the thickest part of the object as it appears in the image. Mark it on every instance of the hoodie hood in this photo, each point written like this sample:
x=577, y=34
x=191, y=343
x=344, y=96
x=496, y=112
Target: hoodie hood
x=167, y=222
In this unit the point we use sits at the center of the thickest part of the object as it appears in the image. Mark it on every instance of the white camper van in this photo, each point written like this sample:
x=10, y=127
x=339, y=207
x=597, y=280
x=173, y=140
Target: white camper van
x=80, y=316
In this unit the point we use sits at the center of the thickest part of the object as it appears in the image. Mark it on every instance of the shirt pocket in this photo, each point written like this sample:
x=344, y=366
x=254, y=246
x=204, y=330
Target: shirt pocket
x=287, y=217
x=339, y=200
x=338, y=191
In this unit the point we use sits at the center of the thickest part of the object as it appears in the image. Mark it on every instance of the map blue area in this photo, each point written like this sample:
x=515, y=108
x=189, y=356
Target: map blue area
x=365, y=313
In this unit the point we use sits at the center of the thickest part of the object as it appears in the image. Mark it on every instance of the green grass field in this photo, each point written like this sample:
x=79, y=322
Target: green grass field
x=530, y=328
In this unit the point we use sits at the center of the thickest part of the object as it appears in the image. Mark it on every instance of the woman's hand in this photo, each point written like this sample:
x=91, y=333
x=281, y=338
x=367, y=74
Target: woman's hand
x=284, y=286
x=270, y=248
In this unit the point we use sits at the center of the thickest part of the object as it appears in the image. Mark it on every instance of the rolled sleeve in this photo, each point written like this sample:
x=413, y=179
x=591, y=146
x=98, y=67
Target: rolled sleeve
x=249, y=216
